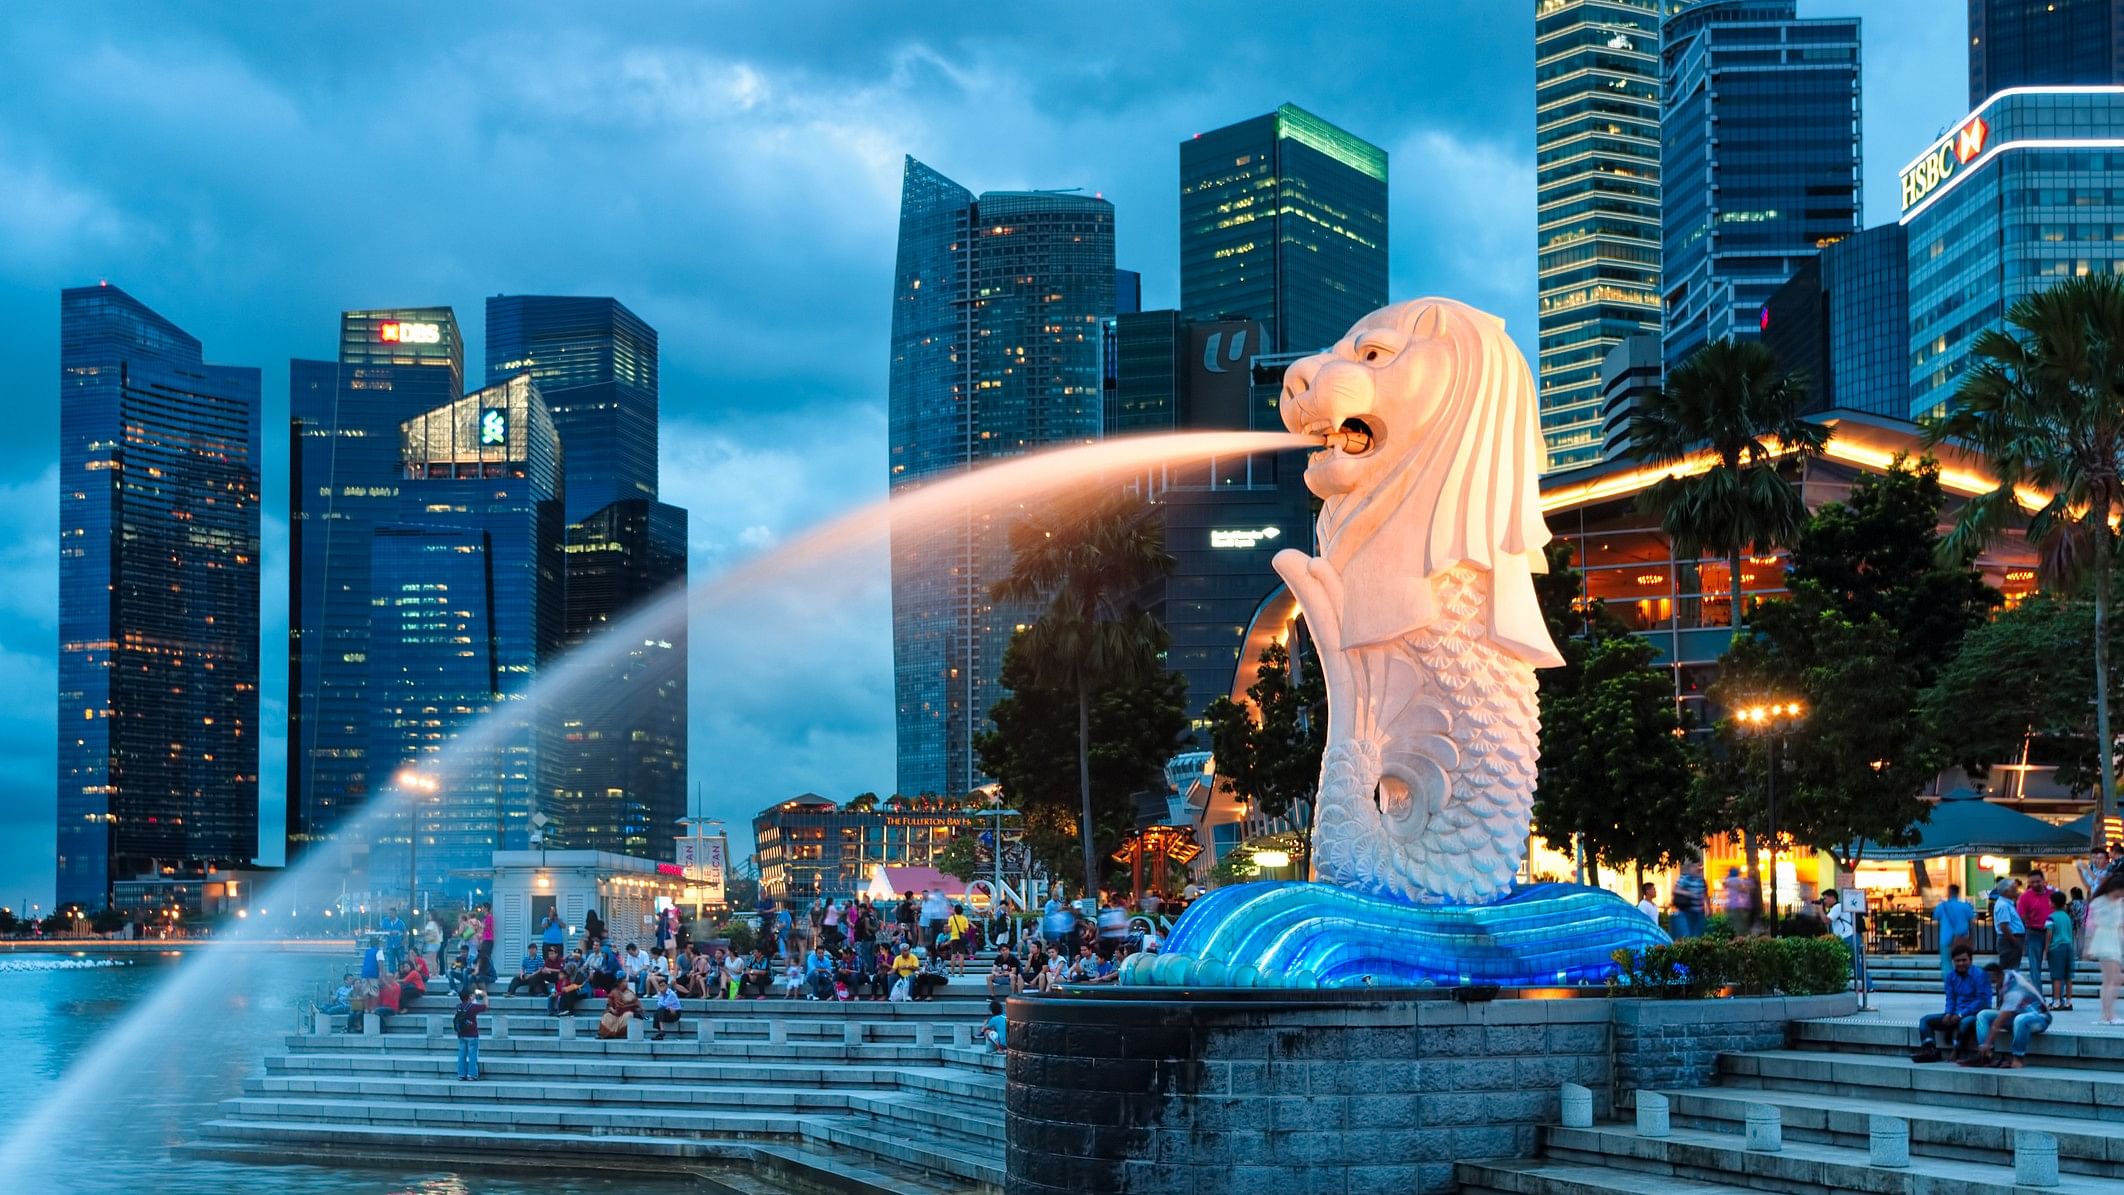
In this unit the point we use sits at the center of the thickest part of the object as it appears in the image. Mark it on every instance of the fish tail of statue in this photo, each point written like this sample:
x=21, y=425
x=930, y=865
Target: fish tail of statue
x=1345, y=816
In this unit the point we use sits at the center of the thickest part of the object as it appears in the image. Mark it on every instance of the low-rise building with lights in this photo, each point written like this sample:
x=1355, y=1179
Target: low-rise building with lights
x=809, y=846
x=626, y=892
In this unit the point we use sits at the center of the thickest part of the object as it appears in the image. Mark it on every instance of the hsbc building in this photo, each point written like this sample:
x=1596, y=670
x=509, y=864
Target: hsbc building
x=2023, y=193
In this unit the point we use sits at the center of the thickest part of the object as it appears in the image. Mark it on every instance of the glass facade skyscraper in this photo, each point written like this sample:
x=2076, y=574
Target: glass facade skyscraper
x=1845, y=320
x=345, y=479
x=2040, y=43
x=1283, y=219
x=158, y=599
x=1223, y=519
x=998, y=308
x=1596, y=144
x=467, y=583
x=2024, y=192
x=595, y=365
x=620, y=765
x=1759, y=149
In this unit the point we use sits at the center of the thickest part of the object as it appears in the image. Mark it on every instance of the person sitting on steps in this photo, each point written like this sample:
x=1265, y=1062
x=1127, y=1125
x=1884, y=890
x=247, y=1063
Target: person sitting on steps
x=2019, y=1012
x=1967, y=994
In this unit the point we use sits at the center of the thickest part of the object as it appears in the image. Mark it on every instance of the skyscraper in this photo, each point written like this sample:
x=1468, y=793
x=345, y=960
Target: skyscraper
x=1596, y=144
x=998, y=303
x=345, y=478
x=2041, y=43
x=595, y=365
x=621, y=761
x=1283, y=219
x=158, y=599
x=1759, y=151
x=1223, y=519
x=2019, y=195
x=467, y=586
x=620, y=765
x=1844, y=319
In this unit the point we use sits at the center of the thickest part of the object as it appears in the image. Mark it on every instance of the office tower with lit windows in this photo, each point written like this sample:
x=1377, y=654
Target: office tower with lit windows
x=595, y=364
x=1283, y=219
x=621, y=762
x=999, y=301
x=619, y=765
x=158, y=600
x=1844, y=321
x=467, y=582
x=1596, y=140
x=2019, y=195
x=1759, y=159
x=2043, y=43
x=345, y=478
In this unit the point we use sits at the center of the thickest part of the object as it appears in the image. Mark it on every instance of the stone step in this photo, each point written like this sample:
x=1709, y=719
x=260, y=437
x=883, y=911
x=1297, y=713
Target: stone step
x=2098, y=1050
x=2092, y=1147
x=1800, y=1168
x=557, y=1118
x=1541, y=1177
x=2031, y=1093
x=954, y=1157
x=731, y=1028
x=919, y=1103
x=955, y=1081
x=806, y=1166
x=590, y=1049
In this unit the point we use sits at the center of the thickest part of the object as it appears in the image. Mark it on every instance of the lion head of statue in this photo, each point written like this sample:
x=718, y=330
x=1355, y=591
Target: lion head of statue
x=1433, y=462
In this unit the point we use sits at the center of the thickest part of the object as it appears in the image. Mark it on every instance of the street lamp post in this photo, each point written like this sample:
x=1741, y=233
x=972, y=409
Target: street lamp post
x=1772, y=720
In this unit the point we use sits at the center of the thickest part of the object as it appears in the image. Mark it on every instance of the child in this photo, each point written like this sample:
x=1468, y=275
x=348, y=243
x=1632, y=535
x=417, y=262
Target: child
x=2062, y=954
x=793, y=980
x=466, y=1022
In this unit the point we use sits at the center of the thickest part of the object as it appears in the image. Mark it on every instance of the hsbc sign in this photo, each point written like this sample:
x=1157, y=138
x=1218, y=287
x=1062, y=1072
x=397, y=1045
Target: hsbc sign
x=1938, y=164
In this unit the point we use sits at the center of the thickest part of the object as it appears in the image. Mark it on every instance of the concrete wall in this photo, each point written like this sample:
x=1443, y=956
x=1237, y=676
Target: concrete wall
x=1337, y=1093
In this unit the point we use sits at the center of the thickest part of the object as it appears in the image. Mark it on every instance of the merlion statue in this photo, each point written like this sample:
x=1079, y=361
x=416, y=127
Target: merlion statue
x=1421, y=603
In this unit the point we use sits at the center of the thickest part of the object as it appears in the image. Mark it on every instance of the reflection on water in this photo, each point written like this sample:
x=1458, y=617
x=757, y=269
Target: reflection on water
x=121, y=1141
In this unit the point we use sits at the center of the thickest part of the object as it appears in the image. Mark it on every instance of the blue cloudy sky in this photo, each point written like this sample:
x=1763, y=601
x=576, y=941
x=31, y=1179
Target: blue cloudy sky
x=730, y=171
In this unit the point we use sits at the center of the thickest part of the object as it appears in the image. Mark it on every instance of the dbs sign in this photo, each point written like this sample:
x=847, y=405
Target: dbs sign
x=394, y=332
x=1947, y=155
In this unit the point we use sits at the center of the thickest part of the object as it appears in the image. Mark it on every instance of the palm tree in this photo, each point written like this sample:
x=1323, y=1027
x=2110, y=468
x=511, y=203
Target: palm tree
x=2044, y=403
x=1731, y=400
x=1091, y=566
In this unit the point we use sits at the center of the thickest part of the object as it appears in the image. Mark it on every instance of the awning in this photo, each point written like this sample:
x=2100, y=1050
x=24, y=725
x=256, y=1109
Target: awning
x=891, y=883
x=1964, y=823
x=2081, y=827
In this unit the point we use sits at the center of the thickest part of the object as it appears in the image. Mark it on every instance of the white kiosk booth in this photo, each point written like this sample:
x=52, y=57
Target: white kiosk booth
x=626, y=892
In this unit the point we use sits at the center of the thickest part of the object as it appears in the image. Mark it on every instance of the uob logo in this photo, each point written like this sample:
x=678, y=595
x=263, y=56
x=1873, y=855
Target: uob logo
x=1237, y=353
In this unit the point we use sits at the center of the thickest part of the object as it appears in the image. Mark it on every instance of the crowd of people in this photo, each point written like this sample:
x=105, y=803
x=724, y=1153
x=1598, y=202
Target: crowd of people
x=1989, y=1017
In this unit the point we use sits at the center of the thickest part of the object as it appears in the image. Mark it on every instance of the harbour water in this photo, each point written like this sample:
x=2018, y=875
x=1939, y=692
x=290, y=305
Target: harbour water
x=51, y=1013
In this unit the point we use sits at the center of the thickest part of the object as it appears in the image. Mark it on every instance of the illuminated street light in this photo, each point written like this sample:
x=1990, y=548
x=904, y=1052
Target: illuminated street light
x=1772, y=720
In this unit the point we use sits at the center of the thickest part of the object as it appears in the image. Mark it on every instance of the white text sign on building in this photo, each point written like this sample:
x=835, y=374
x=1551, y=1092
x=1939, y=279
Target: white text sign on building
x=1245, y=537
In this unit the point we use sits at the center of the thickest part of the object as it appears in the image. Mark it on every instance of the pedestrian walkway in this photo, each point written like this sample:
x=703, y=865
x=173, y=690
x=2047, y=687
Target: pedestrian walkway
x=1833, y=1085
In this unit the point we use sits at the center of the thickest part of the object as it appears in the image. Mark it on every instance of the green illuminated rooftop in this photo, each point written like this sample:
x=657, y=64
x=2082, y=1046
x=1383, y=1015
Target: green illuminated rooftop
x=1340, y=144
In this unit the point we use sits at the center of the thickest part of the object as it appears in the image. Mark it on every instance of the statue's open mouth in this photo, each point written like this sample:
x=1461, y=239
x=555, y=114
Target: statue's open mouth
x=1356, y=436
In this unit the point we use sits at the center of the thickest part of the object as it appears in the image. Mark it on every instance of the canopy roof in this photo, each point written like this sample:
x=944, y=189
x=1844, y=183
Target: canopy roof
x=891, y=883
x=1964, y=823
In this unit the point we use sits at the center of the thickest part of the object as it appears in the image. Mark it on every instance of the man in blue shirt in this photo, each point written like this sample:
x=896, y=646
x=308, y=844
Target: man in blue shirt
x=553, y=933
x=1955, y=917
x=1968, y=993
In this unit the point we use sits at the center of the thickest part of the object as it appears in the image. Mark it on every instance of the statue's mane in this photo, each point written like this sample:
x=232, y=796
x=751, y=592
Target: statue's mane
x=1465, y=490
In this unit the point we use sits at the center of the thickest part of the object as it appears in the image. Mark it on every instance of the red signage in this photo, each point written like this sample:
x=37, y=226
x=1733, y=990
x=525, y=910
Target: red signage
x=670, y=869
x=387, y=332
x=1969, y=139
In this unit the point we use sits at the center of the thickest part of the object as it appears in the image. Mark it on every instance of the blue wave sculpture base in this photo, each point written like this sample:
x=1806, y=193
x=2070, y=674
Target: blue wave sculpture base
x=1302, y=935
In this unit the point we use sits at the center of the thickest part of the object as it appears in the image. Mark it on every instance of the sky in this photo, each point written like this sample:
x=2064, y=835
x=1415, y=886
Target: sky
x=731, y=172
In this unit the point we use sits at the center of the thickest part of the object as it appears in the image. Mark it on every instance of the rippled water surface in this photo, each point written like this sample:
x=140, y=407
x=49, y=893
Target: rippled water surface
x=51, y=1013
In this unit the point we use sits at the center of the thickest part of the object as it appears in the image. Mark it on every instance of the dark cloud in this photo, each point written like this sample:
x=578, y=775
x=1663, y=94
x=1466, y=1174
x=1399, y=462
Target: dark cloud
x=731, y=171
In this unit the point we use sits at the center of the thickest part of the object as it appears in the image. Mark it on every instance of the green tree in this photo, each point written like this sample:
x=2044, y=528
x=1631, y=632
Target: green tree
x=959, y=857
x=1731, y=400
x=1874, y=612
x=1032, y=753
x=862, y=803
x=2044, y=402
x=1615, y=770
x=2021, y=681
x=1268, y=750
x=1089, y=564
